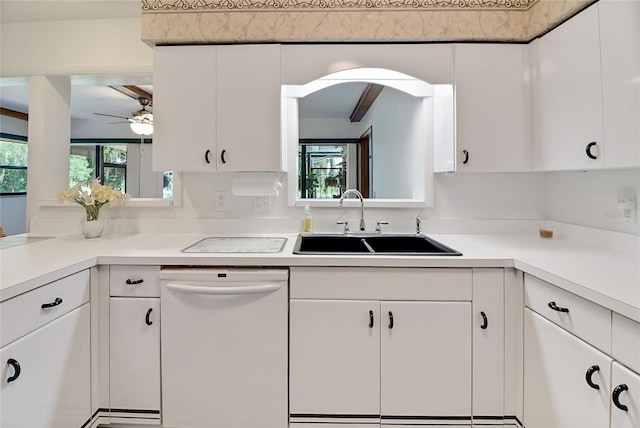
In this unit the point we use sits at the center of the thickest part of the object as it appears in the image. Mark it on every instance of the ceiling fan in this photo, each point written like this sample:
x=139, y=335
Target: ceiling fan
x=141, y=121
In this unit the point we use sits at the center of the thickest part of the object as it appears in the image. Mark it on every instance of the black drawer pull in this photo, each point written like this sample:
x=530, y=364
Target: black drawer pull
x=206, y=156
x=52, y=304
x=555, y=307
x=390, y=320
x=616, y=396
x=146, y=318
x=16, y=369
x=466, y=156
x=588, y=150
x=370, y=319
x=222, y=159
x=134, y=281
x=485, y=321
x=589, y=375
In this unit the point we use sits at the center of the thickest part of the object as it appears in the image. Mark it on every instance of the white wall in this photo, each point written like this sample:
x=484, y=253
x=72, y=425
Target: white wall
x=13, y=214
x=97, y=46
x=10, y=125
x=590, y=198
x=392, y=118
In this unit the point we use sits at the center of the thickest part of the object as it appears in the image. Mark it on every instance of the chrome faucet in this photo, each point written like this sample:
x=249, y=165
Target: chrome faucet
x=359, y=195
x=418, y=224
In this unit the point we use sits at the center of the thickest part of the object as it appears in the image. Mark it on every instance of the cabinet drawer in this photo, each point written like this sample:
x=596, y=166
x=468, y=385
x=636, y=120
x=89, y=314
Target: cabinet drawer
x=24, y=313
x=134, y=281
x=625, y=341
x=585, y=319
x=434, y=284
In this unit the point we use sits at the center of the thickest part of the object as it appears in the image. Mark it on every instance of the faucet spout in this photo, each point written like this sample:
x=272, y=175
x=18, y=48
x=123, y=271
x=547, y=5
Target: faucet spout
x=359, y=195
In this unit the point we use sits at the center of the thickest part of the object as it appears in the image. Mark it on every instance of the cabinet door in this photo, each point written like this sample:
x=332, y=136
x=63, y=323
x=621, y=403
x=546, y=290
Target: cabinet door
x=134, y=330
x=490, y=107
x=488, y=344
x=625, y=386
x=184, y=108
x=569, y=113
x=248, y=108
x=556, y=367
x=53, y=388
x=334, y=362
x=425, y=353
x=620, y=46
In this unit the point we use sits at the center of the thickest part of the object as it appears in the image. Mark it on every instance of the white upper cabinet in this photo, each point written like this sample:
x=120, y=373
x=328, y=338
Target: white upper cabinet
x=217, y=108
x=620, y=51
x=490, y=107
x=568, y=107
x=248, y=108
x=184, y=108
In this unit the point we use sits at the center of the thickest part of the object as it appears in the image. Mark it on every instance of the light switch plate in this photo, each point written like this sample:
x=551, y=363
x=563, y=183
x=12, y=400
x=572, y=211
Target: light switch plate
x=262, y=203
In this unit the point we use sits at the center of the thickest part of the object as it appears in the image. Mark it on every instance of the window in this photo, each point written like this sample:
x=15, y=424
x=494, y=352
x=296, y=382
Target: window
x=122, y=164
x=13, y=166
x=327, y=168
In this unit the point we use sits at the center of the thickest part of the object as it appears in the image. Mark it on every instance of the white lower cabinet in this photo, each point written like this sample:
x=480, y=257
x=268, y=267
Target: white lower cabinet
x=134, y=344
x=46, y=375
x=365, y=361
x=134, y=358
x=557, y=370
x=625, y=396
x=384, y=359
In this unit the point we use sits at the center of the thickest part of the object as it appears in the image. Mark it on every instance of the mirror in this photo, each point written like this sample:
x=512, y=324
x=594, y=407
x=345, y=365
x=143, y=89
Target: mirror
x=368, y=129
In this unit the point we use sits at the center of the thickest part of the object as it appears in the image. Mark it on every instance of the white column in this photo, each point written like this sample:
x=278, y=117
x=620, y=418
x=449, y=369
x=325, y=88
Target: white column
x=49, y=137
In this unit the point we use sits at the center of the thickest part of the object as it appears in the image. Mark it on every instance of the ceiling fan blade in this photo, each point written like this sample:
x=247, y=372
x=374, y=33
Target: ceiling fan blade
x=112, y=123
x=110, y=115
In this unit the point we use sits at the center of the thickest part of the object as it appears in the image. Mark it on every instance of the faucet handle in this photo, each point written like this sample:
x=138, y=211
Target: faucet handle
x=378, y=227
x=346, y=225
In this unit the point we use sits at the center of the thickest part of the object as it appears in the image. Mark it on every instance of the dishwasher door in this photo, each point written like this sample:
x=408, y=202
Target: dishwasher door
x=224, y=347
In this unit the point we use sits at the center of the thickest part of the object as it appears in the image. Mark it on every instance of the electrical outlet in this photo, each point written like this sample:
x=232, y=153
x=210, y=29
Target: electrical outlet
x=222, y=201
x=262, y=203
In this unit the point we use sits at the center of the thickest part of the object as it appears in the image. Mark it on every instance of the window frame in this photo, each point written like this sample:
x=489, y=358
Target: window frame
x=16, y=139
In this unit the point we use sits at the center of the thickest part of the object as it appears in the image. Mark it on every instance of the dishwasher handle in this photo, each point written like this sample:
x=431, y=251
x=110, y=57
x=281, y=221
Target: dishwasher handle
x=223, y=291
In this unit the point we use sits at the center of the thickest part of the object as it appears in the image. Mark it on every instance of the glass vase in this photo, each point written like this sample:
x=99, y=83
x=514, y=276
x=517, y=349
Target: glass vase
x=92, y=228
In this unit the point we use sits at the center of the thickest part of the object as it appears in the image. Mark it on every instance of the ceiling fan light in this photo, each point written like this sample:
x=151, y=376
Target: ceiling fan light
x=141, y=128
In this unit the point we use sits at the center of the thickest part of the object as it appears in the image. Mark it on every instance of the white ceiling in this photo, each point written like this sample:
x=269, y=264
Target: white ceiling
x=63, y=10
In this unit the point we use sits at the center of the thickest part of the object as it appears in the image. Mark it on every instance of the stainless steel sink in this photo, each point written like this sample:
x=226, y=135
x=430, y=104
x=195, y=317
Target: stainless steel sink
x=399, y=245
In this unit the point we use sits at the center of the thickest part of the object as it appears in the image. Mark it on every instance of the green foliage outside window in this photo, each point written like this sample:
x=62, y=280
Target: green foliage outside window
x=81, y=169
x=13, y=163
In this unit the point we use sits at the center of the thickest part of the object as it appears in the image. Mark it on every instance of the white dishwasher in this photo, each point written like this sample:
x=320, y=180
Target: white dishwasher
x=224, y=347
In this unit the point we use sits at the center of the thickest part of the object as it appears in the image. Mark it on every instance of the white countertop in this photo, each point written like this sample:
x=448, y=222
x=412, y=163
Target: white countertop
x=606, y=277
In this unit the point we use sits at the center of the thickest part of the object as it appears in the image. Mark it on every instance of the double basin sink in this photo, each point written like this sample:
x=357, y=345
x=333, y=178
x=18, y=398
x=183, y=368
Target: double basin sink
x=399, y=245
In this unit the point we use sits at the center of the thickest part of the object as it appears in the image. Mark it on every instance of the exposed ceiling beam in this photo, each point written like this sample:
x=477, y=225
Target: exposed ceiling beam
x=134, y=92
x=368, y=96
x=13, y=113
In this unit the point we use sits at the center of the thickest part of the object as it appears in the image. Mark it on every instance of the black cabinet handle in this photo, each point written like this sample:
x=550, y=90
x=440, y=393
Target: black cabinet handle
x=16, y=369
x=222, y=153
x=590, y=371
x=52, y=304
x=485, y=321
x=390, y=320
x=616, y=396
x=370, y=319
x=134, y=281
x=206, y=156
x=555, y=307
x=146, y=318
x=588, y=150
x=466, y=157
